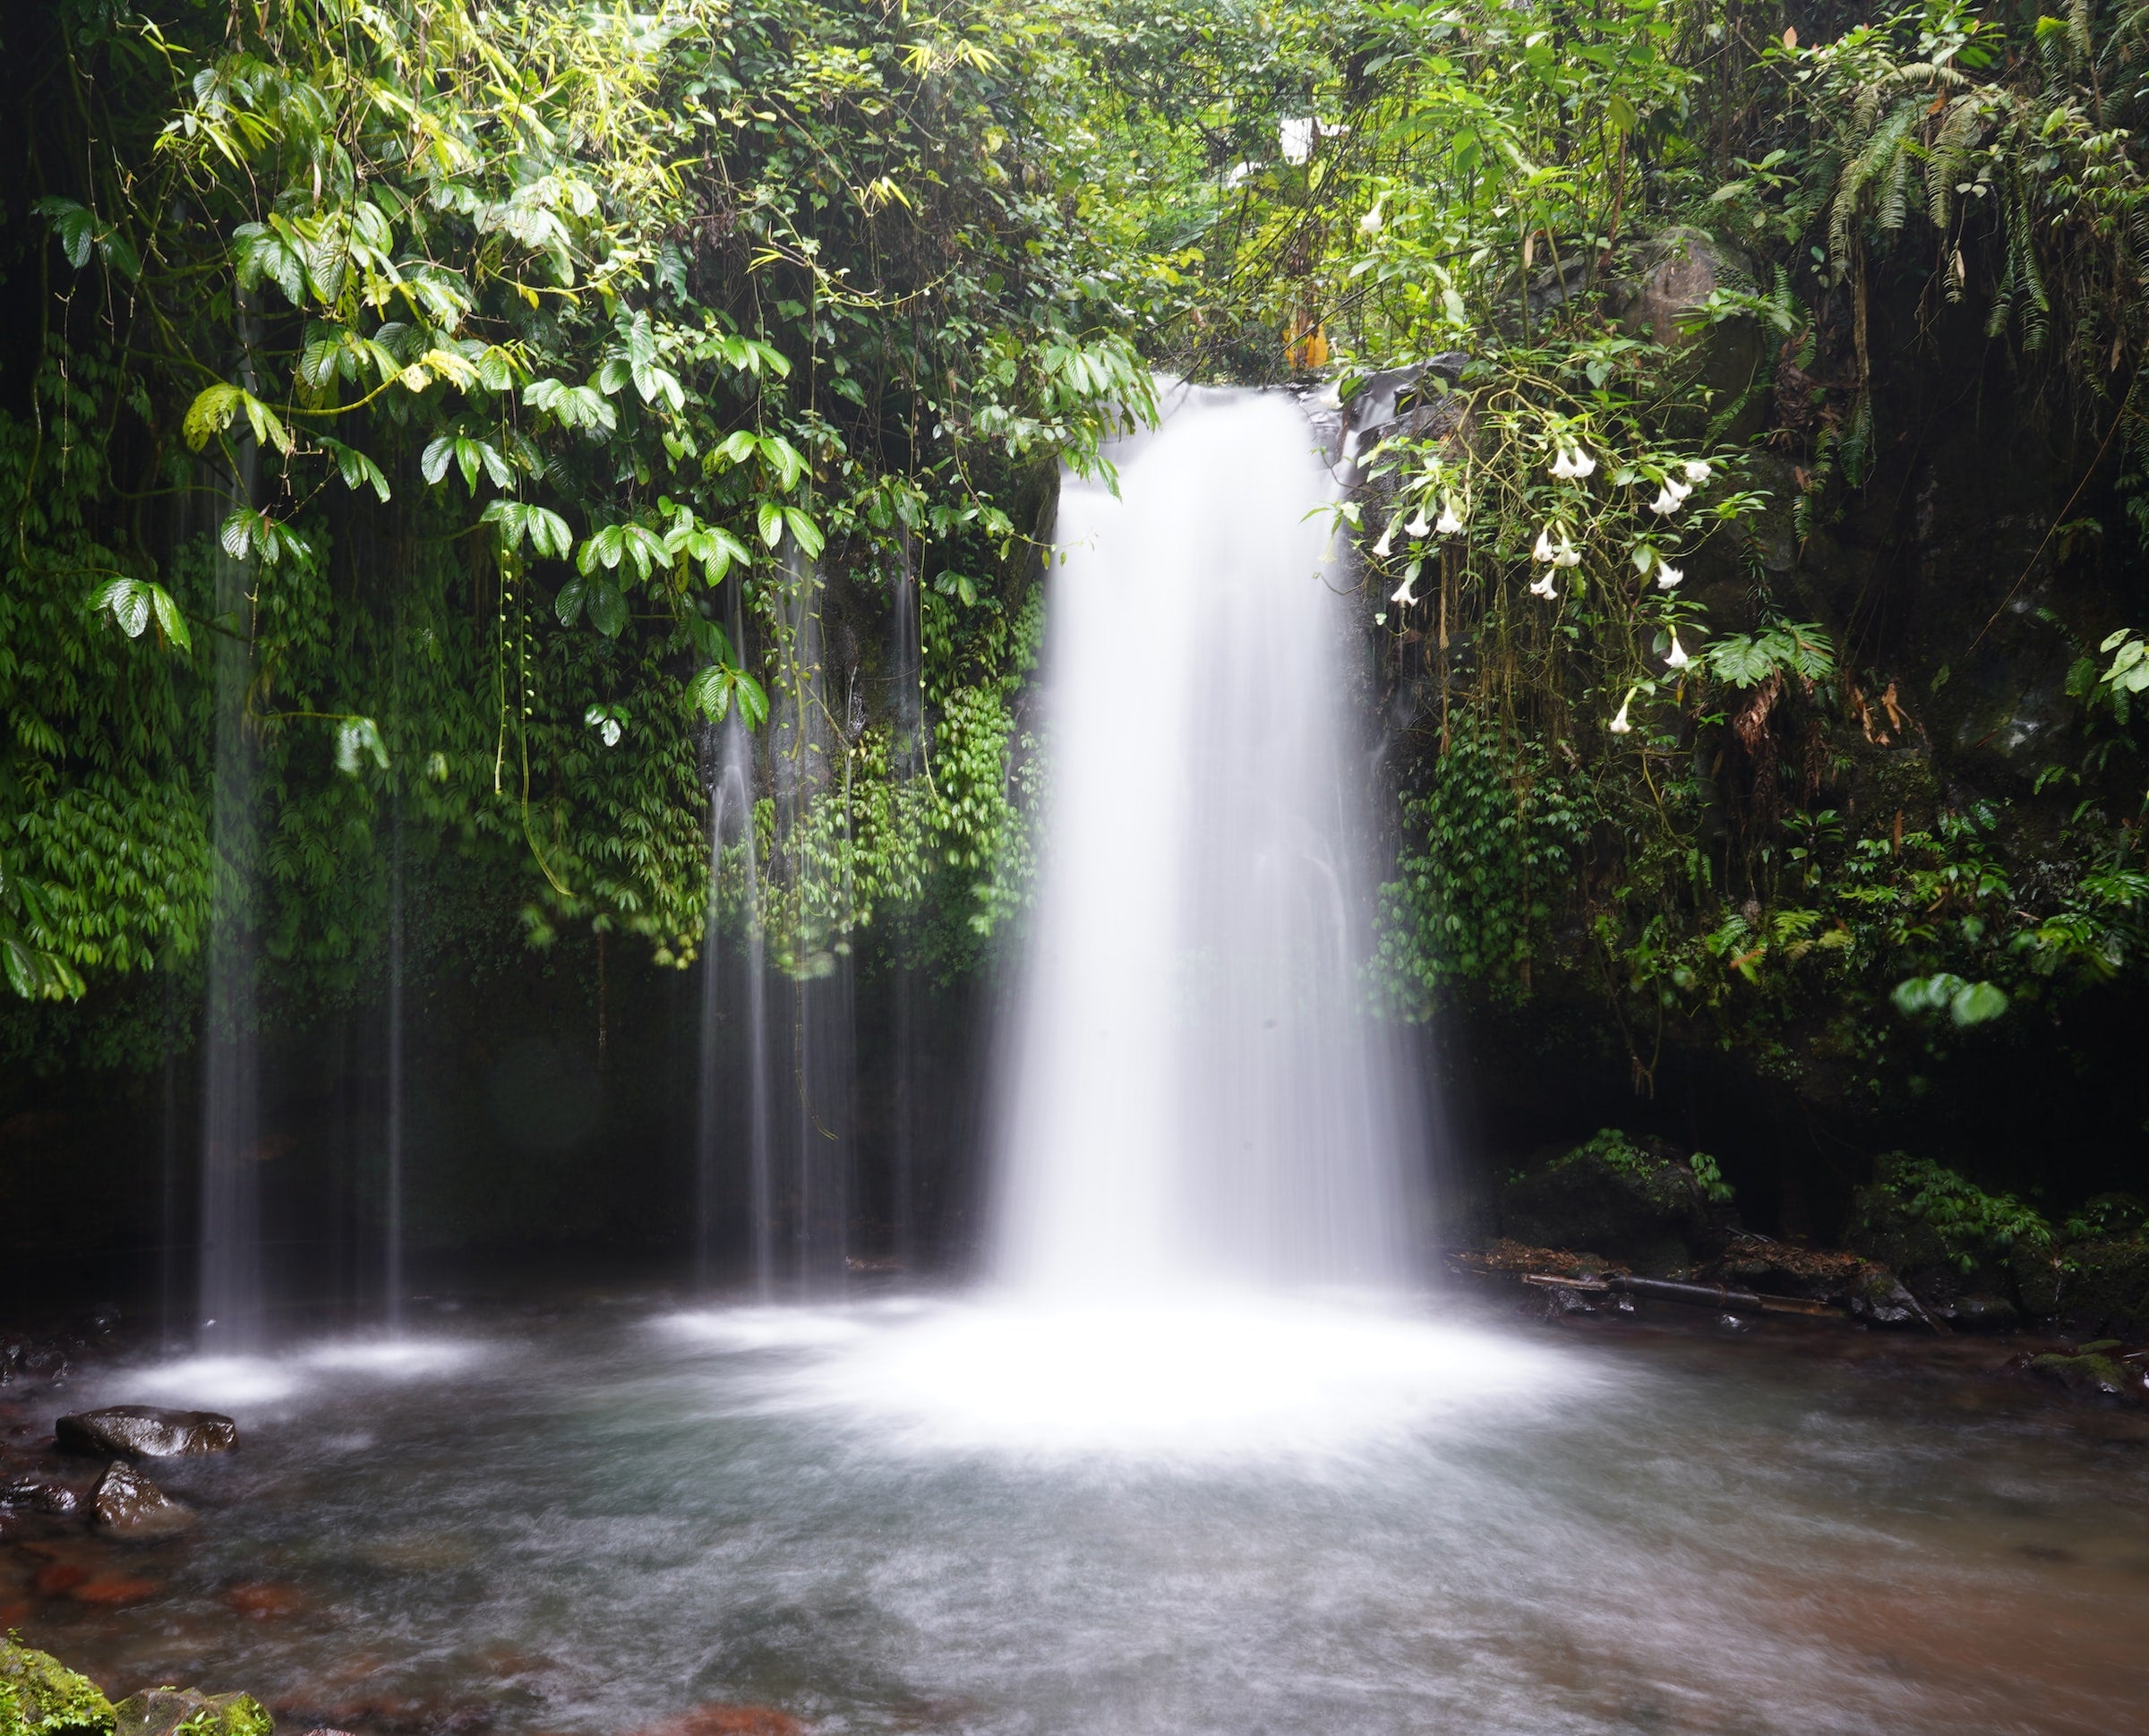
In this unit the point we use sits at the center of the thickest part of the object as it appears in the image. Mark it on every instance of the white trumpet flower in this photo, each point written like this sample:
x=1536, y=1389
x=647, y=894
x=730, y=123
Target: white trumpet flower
x=1572, y=464
x=1618, y=724
x=1669, y=500
x=1451, y=521
x=1370, y=224
x=1387, y=537
x=1542, y=588
x=1542, y=550
x=1676, y=657
x=1566, y=554
x=1667, y=575
x=1697, y=471
x=1418, y=528
x=1402, y=595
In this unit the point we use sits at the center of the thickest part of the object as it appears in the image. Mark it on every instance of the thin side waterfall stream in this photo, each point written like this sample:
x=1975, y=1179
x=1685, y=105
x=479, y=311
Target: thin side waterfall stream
x=1200, y=1453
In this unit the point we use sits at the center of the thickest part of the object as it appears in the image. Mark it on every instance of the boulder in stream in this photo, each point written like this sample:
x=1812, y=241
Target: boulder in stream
x=2098, y=1369
x=145, y=1432
x=127, y=1504
x=190, y=1712
x=39, y=1696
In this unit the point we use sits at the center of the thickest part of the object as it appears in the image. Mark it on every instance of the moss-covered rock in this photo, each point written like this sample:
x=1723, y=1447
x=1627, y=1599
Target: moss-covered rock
x=2091, y=1372
x=190, y=1712
x=39, y=1696
x=1636, y=1202
x=2107, y=1282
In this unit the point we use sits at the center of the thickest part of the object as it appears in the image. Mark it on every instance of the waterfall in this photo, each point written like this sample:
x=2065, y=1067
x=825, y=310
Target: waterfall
x=741, y=989
x=392, y=1201
x=231, y=1288
x=1195, y=1094
x=908, y=708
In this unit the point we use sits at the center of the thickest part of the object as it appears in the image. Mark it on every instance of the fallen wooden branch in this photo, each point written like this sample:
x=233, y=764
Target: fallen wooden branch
x=1705, y=1295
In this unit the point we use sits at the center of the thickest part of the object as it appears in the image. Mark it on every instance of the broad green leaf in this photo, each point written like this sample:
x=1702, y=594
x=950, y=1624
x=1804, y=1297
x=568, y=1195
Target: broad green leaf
x=1975, y=1003
x=608, y=608
x=568, y=604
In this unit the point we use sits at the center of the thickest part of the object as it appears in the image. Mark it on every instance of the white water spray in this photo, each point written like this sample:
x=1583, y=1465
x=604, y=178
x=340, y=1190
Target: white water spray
x=1197, y=1096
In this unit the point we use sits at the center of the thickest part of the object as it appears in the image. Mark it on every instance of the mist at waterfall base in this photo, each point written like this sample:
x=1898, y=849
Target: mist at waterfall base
x=1196, y=1455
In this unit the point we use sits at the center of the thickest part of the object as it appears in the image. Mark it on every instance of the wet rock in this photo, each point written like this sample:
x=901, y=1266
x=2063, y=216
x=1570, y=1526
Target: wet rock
x=41, y=1697
x=1560, y=1303
x=57, y=1579
x=127, y=1504
x=1635, y=1202
x=2093, y=1372
x=1879, y=1299
x=1679, y=269
x=190, y=1712
x=145, y=1432
x=1982, y=1313
x=265, y=1599
x=44, y=1494
x=34, y=1361
x=114, y=1590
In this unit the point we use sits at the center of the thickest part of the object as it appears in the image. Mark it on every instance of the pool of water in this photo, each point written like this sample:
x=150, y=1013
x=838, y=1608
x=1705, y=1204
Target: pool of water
x=1221, y=1516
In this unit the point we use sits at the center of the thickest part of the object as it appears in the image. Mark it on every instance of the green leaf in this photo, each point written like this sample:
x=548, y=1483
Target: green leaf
x=568, y=604
x=771, y=517
x=1976, y=1003
x=129, y=602
x=170, y=617
x=211, y=414
x=357, y=470
x=74, y=225
x=608, y=608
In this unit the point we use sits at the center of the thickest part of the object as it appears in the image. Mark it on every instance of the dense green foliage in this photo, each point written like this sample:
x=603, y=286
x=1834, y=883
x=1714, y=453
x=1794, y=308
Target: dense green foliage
x=539, y=369
x=524, y=397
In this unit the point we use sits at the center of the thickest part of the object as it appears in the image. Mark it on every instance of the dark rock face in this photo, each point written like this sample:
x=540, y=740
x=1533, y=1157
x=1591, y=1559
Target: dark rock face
x=41, y=1697
x=1635, y=1203
x=129, y=1505
x=144, y=1431
x=190, y=1712
x=2110, y=1283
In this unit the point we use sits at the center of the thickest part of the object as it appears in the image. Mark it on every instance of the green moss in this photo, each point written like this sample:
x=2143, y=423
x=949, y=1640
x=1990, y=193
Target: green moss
x=39, y=1696
x=2089, y=1373
x=188, y=1712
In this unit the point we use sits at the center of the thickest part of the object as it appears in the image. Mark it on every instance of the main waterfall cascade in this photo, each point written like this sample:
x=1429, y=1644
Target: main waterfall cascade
x=1196, y=1094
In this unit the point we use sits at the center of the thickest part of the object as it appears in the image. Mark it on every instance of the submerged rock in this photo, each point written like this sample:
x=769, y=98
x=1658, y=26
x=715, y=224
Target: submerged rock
x=728, y=1721
x=129, y=1505
x=145, y=1432
x=190, y=1712
x=41, y=1697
